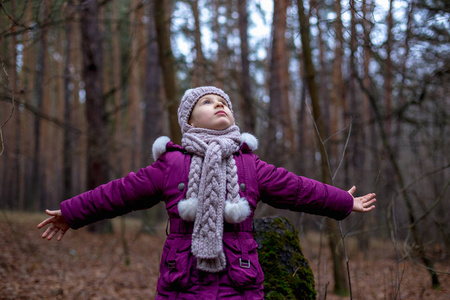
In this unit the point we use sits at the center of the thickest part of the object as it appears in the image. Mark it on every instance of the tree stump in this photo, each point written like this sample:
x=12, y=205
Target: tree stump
x=287, y=274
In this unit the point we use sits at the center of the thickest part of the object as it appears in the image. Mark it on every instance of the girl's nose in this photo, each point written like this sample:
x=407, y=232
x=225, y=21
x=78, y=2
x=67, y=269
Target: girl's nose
x=219, y=104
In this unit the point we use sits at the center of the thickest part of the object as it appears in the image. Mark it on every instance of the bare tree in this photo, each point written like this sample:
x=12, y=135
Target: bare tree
x=134, y=120
x=167, y=62
x=340, y=281
x=153, y=123
x=68, y=133
x=199, y=69
x=97, y=158
x=246, y=100
x=279, y=113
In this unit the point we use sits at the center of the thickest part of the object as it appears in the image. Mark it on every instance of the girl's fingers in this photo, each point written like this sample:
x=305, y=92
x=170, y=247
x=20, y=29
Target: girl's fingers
x=371, y=202
x=52, y=234
x=352, y=190
x=368, y=197
x=51, y=212
x=45, y=222
x=48, y=233
x=61, y=235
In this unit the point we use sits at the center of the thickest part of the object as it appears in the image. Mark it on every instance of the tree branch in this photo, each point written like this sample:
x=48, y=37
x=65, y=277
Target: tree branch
x=38, y=113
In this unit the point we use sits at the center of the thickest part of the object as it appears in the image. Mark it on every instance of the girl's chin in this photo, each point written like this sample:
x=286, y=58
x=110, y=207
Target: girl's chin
x=220, y=127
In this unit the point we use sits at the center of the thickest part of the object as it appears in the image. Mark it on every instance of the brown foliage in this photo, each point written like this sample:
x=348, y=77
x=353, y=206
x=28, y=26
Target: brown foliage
x=89, y=266
x=82, y=266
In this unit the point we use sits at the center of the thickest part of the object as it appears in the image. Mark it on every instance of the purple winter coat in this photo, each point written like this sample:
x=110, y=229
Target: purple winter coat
x=167, y=180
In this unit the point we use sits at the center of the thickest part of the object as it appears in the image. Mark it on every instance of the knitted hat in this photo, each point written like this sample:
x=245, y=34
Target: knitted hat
x=191, y=97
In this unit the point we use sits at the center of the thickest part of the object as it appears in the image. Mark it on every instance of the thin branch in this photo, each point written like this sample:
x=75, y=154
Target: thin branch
x=426, y=175
x=394, y=238
x=39, y=114
x=436, y=202
x=346, y=259
x=332, y=182
x=343, y=152
x=320, y=138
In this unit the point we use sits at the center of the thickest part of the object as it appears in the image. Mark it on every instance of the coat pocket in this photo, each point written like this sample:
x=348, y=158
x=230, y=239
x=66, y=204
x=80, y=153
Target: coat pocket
x=243, y=265
x=176, y=269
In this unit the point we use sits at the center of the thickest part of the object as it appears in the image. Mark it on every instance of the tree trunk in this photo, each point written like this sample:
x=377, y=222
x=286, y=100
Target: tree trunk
x=220, y=38
x=26, y=84
x=246, y=100
x=388, y=69
x=118, y=135
x=9, y=121
x=67, y=140
x=338, y=90
x=37, y=175
x=167, y=63
x=279, y=114
x=199, y=69
x=152, y=125
x=97, y=159
x=78, y=116
x=403, y=72
x=134, y=127
x=14, y=175
x=341, y=286
x=324, y=91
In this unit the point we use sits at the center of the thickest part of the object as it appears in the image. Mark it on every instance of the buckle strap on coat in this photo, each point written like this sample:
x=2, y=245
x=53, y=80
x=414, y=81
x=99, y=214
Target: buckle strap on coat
x=172, y=255
x=244, y=260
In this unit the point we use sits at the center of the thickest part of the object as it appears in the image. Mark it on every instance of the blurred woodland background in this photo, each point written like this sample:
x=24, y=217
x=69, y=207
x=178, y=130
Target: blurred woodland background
x=349, y=92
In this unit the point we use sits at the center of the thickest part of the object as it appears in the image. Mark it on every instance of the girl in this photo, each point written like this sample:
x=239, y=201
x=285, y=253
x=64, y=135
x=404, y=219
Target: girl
x=211, y=185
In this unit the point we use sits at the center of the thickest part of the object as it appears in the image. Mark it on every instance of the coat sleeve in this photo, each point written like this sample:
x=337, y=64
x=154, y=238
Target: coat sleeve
x=135, y=191
x=283, y=189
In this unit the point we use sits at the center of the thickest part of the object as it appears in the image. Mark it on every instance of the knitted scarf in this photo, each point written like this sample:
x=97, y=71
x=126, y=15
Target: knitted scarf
x=212, y=178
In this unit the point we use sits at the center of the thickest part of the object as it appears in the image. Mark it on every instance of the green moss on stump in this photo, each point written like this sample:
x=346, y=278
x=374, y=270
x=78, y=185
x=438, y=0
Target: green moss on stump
x=287, y=274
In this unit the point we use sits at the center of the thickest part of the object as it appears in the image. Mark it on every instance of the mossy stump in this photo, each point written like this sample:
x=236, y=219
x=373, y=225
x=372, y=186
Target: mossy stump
x=287, y=274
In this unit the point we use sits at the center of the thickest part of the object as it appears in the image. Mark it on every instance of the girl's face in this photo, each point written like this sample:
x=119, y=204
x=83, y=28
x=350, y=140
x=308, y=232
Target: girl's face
x=211, y=112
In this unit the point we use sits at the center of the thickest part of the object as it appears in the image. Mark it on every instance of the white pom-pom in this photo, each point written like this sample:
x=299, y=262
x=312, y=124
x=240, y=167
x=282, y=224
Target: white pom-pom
x=250, y=140
x=187, y=209
x=159, y=146
x=236, y=212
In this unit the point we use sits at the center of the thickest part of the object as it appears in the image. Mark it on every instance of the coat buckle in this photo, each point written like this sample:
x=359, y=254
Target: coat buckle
x=171, y=264
x=244, y=263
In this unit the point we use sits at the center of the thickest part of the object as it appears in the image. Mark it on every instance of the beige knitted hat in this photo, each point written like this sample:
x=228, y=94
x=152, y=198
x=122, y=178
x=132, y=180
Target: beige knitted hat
x=191, y=97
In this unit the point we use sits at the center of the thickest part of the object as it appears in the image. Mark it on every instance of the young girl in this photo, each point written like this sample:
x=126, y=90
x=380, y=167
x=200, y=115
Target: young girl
x=211, y=185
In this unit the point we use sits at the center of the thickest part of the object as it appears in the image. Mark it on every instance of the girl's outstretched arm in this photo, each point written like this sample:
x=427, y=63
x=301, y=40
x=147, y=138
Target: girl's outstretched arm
x=363, y=203
x=57, y=223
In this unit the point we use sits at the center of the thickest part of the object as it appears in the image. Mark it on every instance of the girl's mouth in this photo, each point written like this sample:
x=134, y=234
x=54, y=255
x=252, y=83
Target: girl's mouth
x=221, y=112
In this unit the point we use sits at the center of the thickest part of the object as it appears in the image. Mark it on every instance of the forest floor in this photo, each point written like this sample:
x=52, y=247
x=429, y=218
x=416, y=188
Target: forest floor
x=87, y=266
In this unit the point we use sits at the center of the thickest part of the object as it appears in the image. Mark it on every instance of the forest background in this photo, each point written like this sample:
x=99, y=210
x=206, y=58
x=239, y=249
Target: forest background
x=347, y=92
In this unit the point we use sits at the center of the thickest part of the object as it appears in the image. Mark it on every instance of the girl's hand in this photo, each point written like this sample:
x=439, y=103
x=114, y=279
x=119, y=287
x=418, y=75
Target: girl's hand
x=364, y=203
x=57, y=223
